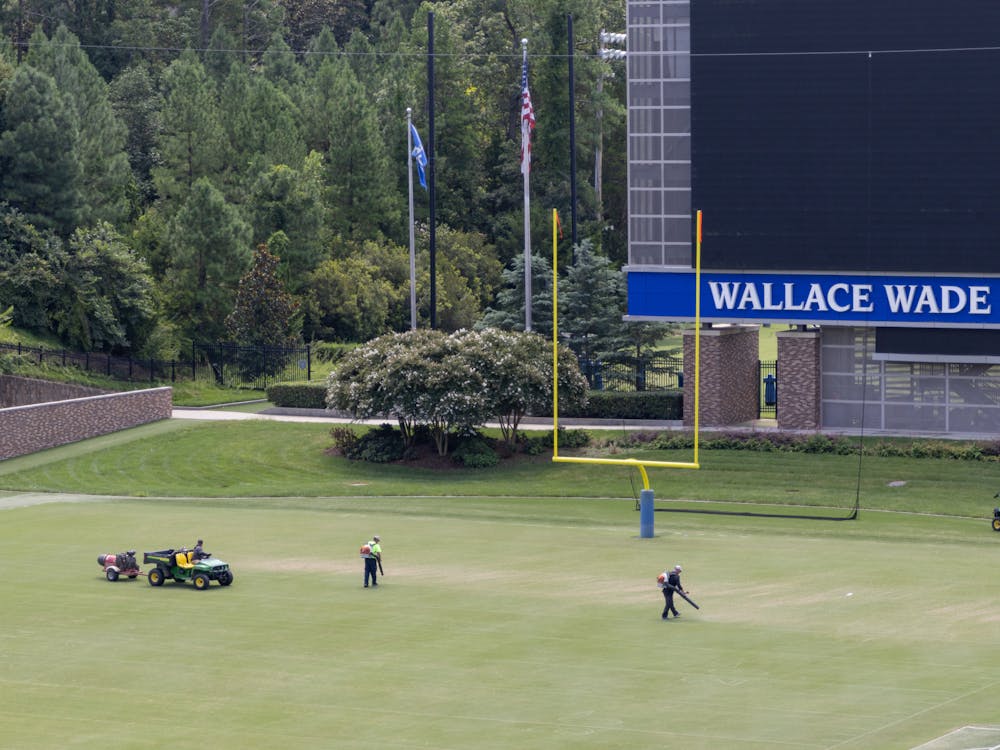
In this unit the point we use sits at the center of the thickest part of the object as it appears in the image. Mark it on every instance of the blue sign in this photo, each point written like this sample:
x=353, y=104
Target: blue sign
x=912, y=301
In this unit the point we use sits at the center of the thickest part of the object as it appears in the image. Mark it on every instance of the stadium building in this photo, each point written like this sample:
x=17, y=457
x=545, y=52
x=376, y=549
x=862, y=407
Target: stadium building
x=845, y=156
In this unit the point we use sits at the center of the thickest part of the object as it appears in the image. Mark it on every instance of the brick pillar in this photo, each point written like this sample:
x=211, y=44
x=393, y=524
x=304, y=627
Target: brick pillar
x=799, y=380
x=729, y=394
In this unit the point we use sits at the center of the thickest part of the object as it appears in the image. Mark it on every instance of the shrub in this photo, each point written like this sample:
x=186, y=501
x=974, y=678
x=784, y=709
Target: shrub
x=631, y=405
x=346, y=441
x=381, y=445
x=538, y=444
x=298, y=395
x=475, y=452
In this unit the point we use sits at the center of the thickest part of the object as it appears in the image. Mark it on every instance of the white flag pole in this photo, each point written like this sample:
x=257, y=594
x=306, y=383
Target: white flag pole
x=526, y=171
x=413, y=250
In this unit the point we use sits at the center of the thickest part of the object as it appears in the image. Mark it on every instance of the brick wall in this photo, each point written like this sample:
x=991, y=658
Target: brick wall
x=33, y=427
x=18, y=391
x=799, y=380
x=728, y=386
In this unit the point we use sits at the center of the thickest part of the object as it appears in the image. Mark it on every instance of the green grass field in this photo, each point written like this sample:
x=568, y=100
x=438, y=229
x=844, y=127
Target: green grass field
x=519, y=609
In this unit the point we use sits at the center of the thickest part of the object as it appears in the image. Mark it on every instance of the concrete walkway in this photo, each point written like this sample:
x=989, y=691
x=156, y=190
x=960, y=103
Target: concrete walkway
x=285, y=414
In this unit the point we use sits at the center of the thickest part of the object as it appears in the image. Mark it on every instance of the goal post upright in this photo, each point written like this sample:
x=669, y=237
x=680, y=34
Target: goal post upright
x=646, y=495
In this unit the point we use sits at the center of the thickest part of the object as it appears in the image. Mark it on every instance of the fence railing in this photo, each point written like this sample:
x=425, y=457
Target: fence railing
x=231, y=366
x=767, y=389
x=621, y=372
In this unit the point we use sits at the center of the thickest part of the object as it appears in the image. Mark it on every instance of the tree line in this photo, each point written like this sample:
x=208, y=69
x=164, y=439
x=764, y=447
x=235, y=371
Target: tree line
x=170, y=171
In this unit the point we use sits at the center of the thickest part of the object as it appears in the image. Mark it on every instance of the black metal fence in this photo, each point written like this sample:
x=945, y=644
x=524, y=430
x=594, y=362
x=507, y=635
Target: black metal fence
x=621, y=372
x=231, y=366
x=256, y=366
x=767, y=388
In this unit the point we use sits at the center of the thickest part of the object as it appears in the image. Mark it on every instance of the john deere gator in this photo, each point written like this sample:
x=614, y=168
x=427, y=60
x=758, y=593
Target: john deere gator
x=182, y=565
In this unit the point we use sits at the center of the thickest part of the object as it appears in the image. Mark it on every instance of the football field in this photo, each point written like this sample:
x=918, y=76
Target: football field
x=500, y=623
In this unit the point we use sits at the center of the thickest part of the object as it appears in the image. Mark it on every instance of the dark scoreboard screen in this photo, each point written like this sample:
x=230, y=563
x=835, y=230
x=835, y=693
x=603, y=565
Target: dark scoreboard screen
x=858, y=135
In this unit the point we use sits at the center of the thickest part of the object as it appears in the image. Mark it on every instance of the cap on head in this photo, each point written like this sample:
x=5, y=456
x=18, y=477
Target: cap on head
x=677, y=568
x=377, y=538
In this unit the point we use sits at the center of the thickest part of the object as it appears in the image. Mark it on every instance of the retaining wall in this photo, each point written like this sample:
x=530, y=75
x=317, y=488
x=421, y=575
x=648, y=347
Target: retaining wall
x=66, y=416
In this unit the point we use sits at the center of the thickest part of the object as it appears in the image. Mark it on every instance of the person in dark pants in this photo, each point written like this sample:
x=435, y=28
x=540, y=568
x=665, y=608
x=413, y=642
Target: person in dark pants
x=670, y=581
x=372, y=553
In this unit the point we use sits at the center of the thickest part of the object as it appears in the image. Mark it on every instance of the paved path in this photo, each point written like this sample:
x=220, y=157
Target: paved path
x=284, y=414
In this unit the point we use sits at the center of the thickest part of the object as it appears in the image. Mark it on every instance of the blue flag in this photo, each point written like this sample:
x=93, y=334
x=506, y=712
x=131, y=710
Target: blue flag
x=419, y=156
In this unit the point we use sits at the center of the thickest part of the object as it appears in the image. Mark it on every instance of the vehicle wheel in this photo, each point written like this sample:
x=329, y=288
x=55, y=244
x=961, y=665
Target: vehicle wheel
x=132, y=575
x=113, y=574
x=996, y=524
x=226, y=578
x=201, y=581
x=155, y=577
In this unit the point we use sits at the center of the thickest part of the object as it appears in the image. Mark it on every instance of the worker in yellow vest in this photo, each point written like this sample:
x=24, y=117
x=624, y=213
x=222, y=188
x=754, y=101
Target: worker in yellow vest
x=372, y=553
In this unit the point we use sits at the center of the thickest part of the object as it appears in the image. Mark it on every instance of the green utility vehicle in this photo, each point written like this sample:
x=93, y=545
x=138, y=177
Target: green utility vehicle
x=183, y=565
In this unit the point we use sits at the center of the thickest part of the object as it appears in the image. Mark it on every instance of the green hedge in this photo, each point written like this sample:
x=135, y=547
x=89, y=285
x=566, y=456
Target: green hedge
x=298, y=395
x=781, y=442
x=667, y=405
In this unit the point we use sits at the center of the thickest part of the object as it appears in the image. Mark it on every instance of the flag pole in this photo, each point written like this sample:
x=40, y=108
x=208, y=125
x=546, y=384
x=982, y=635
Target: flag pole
x=526, y=171
x=413, y=247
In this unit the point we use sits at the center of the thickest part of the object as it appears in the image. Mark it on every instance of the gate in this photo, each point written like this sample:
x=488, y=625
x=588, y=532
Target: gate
x=767, y=389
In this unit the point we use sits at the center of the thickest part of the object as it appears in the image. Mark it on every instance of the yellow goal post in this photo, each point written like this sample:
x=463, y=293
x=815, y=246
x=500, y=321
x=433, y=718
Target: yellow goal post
x=640, y=464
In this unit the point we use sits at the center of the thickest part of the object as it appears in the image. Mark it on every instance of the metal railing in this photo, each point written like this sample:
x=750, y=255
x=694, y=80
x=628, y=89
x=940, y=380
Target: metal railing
x=231, y=366
x=622, y=372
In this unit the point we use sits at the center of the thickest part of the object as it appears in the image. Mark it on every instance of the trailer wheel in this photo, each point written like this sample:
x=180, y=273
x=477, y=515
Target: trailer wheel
x=155, y=577
x=111, y=574
x=201, y=581
x=996, y=524
x=226, y=578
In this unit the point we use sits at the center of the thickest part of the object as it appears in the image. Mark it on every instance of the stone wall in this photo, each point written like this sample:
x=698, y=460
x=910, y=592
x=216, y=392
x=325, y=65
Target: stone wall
x=33, y=427
x=18, y=391
x=729, y=393
x=799, y=380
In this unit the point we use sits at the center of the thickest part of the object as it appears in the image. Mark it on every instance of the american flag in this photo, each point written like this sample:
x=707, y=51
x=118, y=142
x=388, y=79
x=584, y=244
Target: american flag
x=527, y=119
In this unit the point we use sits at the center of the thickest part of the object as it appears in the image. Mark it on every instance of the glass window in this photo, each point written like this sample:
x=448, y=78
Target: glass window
x=677, y=175
x=972, y=419
x=644, y=175
x=645, y=254
x=643, y=66
x=644, y=94
x=648, y=202
x=677, y=202
x=677, y=120
x=643, y=13
x=645, y=148
x=646, y=121
x=646, y=39
x=677, y=66
x=676, y=92
x=677, y=255
x=646, y=229
x=676, y=12
x=677, y=230
x=677, y=147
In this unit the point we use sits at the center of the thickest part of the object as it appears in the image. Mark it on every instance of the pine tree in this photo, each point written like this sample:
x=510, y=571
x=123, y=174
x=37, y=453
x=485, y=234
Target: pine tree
x=100, y=147
x=362, y=192
x=39, y=167
x=209, y=248
x=591, y=305
x=192, y=143
x=138, y=105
